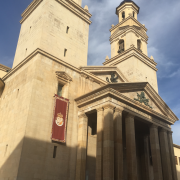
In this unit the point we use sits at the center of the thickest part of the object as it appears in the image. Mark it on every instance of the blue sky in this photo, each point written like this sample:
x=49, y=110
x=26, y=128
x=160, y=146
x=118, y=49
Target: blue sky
x=161, y=18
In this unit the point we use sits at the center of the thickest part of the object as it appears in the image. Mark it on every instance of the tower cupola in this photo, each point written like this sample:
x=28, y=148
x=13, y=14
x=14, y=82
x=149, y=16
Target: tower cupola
x=127, y=8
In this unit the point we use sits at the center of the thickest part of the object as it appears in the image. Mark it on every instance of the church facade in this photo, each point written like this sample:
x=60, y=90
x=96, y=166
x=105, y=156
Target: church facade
x=117, y=126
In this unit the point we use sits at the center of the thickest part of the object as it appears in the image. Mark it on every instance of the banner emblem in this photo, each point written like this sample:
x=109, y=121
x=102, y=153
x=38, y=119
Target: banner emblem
x=59, y=119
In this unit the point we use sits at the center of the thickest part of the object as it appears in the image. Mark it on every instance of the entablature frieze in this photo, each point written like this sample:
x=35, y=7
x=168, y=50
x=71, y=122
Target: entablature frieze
x=119, y=106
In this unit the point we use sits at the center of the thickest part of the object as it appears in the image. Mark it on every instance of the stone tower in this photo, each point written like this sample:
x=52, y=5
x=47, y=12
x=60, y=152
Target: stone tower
x=129, y=46
x=49, y=25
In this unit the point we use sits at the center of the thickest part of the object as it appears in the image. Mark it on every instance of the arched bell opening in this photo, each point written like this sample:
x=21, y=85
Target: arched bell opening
x=123, y=15
x=121, y=46
x=139, y=45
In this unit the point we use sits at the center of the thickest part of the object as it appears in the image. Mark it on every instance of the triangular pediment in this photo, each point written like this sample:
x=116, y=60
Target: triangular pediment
x=156, y=103
x=104, y=72
x=127, y=93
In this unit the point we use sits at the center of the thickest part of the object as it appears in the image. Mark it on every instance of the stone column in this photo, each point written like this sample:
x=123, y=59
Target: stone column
x=99, y=149
x=155, y=150
x=82, y=146
x=146, y=158
x=165, y=156
x=131, y=148
x=118, y=144
x=172, y=158
x=108, y=143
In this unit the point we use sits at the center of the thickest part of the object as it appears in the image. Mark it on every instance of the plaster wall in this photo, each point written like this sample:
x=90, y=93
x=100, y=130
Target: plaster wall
x=14, y=109
x=2, y=73
x=46, y=28
x=26, y=122
x=136, y=71
x=177, y=153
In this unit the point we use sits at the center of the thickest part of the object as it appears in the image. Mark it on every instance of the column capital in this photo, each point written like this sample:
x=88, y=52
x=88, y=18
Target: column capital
x=163, y=130
x=108, y=106
x=154, y=126
x=99, y=109
x=119, y=109
x=82, y=115
x=170, y=132
x=130, y=115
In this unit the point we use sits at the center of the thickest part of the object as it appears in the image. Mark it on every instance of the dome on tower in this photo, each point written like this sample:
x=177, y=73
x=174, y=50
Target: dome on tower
x=127, y=2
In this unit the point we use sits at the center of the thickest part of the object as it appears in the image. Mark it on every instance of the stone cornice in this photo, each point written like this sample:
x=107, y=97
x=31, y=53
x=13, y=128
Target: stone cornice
x=73, y=7
x=39, y=51
x=176, y=146
x=126, y=31
x=69, y=4
x=121, y=57
x=114, y=90
x=30, y=9
x=4, y=68
x=126, y=19
x=105, y=69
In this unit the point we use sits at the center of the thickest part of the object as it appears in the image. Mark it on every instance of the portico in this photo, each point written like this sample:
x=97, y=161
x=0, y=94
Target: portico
x=133, y=141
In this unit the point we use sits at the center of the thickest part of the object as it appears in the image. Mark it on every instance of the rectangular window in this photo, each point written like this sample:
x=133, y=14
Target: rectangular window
x=54, y=152
x=59, y=91
x=67, y=30
x=176, y=160
x=65, y=52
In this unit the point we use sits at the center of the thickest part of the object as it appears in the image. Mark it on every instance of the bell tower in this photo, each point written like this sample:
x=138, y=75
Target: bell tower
x=129, y=46
x=59, y=28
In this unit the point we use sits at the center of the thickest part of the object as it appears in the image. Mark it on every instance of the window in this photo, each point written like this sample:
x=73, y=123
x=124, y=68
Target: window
x=139, y=44
x=123, y=14
x=59, y=91
x=54, y=152
x=65, y=52
x=133, y=14
x=67, y=30
x=121, y=46
x=176, y=160
x=179, y=160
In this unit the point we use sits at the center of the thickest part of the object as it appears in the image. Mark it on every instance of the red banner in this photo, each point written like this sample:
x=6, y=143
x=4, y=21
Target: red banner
x=60, y=119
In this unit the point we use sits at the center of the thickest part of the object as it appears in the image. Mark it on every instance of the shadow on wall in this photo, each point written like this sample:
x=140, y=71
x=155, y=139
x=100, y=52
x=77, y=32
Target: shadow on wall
x=37, y=161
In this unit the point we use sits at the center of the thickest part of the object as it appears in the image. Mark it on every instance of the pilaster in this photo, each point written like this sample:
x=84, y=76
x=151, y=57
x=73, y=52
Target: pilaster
x=82, y=146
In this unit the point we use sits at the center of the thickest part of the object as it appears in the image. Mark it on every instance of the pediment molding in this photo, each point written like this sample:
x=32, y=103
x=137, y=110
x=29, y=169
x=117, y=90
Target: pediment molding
x=115, y=91
x=126, y=19
x=63, y=76
x=105, y=69
x=121, y=57
x=130, y=29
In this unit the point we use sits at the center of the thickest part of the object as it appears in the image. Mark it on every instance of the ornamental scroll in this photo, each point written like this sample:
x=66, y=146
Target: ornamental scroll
x=59, y=119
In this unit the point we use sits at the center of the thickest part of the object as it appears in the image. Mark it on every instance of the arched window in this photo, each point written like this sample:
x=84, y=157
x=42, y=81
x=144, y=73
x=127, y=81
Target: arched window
x=133, y=13
x=121, y=46
x=139, y=45
x=123, y=14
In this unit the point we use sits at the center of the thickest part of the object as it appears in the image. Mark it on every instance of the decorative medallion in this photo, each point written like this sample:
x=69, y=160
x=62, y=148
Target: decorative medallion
x=59, y=119
x=113, y=78
x=142, y=99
